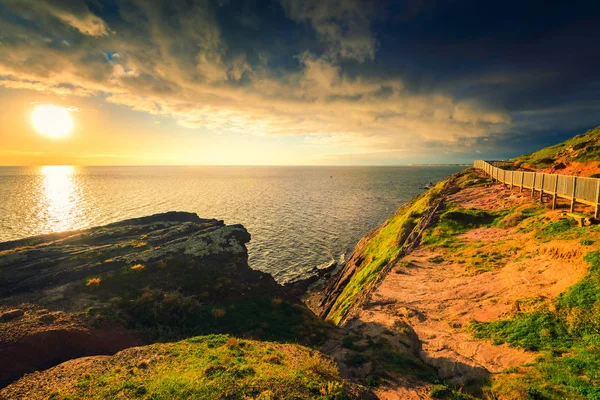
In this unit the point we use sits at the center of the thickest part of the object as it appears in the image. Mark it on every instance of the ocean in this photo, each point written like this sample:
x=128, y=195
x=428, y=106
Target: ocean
x=299, y=217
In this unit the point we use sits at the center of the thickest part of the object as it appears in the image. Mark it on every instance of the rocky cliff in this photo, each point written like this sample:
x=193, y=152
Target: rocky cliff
x=162, y=277
x=377, y=252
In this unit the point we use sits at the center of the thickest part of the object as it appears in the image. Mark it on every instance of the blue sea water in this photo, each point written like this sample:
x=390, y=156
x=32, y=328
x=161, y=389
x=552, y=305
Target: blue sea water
x=299, y=217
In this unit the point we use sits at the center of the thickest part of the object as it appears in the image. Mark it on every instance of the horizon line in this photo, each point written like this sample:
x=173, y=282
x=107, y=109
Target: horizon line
x=239, y=165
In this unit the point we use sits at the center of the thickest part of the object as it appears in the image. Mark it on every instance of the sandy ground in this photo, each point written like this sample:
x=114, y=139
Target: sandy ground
x=587, y=168
x=439, y=300
x=493, y=197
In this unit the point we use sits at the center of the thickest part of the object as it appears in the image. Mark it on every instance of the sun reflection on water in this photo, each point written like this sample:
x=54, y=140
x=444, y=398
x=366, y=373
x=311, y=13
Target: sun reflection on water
x=62, y=198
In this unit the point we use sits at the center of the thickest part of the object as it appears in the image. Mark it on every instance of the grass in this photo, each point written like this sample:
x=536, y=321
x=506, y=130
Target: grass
x=177, y=298
x=212, y=367
x=441, y=391
x=567, y=332
x=172, y=315
x=456, y=220
x=580, y=148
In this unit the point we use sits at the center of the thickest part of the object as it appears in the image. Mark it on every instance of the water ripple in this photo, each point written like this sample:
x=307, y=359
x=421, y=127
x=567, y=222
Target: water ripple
x=299, y=217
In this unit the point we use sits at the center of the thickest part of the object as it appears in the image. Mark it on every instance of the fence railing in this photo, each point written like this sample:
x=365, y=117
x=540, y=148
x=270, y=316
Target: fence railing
x=573, y=188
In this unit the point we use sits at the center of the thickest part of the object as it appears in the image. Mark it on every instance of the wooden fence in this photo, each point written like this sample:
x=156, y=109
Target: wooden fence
x=573, y=188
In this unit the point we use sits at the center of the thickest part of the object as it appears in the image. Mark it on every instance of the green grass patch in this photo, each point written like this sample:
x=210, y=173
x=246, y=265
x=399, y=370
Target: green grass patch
x=580, y=148
x=211, y=367
x=456, y=220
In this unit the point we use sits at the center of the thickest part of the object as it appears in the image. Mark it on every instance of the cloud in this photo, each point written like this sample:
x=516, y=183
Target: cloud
x=344, y=25
x=74, y=13
x=180, y=59
x=87, y=24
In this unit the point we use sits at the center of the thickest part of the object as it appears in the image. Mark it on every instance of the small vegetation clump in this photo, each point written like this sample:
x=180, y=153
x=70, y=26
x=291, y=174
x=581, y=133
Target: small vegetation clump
x=93, y=282
x=138, y=243
x=137, y=267
x=512, y=219
x=218, y=312
x=441, y=391
x=211, y=367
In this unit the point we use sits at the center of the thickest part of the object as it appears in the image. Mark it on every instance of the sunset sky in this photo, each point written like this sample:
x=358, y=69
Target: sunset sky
x=312, y=82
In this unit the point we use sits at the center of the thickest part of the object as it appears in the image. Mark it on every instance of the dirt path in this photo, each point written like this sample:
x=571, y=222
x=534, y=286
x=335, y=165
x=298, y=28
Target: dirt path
x=439, y=299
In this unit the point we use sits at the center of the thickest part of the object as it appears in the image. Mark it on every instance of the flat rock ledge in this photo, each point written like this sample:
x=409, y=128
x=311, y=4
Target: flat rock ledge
x=99, y=290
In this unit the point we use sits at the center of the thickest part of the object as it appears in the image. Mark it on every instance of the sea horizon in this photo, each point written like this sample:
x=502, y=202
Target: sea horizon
x=300, y=217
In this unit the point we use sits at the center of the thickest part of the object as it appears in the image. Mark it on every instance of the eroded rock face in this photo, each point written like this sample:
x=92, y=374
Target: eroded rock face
x=48, y=261
x=99, y=290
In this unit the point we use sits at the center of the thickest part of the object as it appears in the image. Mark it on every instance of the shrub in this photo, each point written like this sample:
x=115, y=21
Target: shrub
x=94, y=282
x=372, y=381
x=232, y=343
x=156, y=307
x=217, y=312
x=273, y=359
x=333, y=390
x=512, y=220
x=544, y=162
x=439, y=392
x=436, y=259
x=586, y=242
x=276, y=301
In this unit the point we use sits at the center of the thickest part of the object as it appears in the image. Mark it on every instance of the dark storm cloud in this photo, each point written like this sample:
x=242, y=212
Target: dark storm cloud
x=463, y=76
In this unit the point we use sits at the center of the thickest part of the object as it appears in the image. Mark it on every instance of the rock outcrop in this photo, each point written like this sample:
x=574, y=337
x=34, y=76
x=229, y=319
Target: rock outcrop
x=103, y=289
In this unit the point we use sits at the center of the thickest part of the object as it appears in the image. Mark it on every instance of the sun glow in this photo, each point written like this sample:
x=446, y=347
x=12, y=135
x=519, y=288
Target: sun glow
x=52, y=121
x=62, y=198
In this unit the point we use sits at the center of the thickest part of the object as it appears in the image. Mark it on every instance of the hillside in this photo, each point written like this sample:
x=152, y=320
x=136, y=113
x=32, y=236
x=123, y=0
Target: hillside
x=579, y=155
x=477, y=288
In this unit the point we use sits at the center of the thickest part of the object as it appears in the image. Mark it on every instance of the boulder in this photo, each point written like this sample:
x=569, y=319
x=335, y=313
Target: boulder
x=11, y=314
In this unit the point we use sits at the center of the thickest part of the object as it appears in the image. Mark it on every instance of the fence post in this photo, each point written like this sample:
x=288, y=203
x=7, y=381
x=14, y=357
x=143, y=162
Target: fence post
x=573, y=194
x=512, y=179
x=597, y=210
x=522, y=180
x=542, y=189
x=533, y=186
x=555, y=190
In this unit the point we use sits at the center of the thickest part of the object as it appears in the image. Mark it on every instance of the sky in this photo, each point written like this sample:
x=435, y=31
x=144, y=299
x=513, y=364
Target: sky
x=291, y=82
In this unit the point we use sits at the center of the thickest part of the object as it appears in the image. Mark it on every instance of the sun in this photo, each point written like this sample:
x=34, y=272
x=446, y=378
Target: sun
x=52, y=121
